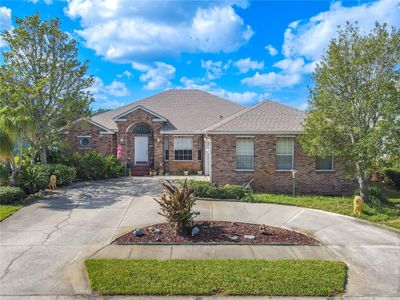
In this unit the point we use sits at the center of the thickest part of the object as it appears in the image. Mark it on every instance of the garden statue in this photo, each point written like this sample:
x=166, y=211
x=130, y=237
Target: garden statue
x=52, y=183
x=357, y=202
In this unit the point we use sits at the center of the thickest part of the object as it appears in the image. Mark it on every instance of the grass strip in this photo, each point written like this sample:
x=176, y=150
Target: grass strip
x=217, y=277
x=387, y=214
x=8, y=210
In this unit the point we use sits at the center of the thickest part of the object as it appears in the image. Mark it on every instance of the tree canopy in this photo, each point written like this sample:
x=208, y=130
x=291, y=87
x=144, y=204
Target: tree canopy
x=42, y=73
x=354, y=106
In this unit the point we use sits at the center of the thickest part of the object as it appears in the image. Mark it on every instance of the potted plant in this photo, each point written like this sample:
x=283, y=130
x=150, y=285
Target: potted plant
x=200, y=172
x=153, y=172
x=186, y=172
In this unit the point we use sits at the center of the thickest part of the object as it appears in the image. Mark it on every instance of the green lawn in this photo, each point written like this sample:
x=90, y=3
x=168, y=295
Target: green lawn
x=217, y=277
x=8, y=210
x=388, y=214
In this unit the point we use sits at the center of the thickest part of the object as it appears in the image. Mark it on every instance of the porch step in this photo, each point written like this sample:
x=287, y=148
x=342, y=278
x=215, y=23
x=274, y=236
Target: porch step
x=140, y=171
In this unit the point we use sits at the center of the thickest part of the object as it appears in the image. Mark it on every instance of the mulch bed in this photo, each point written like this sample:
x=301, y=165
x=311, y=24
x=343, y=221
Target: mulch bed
x=218, y=233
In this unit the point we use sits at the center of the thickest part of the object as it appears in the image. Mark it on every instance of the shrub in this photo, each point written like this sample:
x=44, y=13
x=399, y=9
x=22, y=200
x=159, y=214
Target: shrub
x=206, y=189
x=11, y=194
x=32, y=180
x=92, y=165
x=376, y=196
x=65, y=175
x=176, y=205
x=394, y=176
x=4, y=174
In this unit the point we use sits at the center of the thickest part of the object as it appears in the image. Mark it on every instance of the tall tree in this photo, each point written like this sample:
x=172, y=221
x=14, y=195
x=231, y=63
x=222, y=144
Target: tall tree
x=42, y=72
x=15, y=129
x=354, y=107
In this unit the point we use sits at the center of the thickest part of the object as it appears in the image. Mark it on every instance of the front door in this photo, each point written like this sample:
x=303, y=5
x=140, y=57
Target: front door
x=141, y=150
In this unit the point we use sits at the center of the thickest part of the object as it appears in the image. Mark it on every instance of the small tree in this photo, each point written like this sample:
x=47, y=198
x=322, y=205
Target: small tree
x=354, y=107
x=42, y=73
x=176, y=205
x=15, y=129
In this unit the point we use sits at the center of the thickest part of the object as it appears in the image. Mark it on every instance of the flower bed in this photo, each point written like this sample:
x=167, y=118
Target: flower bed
x=218, y=233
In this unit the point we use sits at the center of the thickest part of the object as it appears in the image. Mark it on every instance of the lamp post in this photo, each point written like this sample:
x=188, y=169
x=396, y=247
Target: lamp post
x=294, y=181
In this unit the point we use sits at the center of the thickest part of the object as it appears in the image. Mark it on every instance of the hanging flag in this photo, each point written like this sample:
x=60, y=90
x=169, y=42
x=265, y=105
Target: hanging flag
x=119, y=151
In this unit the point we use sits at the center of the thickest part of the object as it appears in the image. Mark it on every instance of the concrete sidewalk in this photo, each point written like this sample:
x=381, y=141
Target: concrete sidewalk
x=163, y=252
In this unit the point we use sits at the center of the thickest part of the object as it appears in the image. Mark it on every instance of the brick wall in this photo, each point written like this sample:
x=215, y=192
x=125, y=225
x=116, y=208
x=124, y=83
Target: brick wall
x=176, y=166
x=103, y=143
x=266, y=178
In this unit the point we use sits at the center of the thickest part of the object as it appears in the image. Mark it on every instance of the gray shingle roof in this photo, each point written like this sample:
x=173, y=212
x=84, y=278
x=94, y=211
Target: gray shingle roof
x=186, y=110
x=265, y=117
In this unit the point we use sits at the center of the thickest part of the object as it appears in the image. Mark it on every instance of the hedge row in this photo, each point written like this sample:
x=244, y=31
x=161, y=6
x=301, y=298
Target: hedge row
x=11, y=194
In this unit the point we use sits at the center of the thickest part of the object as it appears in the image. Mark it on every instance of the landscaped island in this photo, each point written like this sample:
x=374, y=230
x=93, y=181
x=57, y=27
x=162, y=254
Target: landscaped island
x=217, y=232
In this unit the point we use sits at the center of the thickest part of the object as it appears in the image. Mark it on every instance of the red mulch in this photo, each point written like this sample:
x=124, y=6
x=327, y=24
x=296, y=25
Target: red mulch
x=219, y=233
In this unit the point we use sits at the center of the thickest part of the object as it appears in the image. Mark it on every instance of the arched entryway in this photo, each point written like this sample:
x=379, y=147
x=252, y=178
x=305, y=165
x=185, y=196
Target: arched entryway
x=142, y=143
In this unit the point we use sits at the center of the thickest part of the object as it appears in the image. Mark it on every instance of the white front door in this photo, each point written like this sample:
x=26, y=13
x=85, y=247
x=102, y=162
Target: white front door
x=141, y=150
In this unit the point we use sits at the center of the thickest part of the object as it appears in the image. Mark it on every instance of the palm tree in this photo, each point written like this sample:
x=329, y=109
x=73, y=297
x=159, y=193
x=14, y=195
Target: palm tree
x=15, y=127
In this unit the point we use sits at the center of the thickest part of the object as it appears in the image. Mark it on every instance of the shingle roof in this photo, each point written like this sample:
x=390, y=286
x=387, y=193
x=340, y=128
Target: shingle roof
x=265, y=117
x=186, y=110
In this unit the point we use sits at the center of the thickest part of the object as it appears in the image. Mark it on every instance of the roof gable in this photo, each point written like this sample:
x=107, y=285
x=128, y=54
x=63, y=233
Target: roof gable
x=267, y=117
x=139, y=107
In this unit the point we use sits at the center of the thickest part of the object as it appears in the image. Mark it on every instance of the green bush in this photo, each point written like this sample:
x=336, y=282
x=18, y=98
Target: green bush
x=376, y=196
x=394, y=176
x=11, y=194
x=4, y=174
x=205, y=189
x=32, y=180
x=92, y=166
x=65, y=175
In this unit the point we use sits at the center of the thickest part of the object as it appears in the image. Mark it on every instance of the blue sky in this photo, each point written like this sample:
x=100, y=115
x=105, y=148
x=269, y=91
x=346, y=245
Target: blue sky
x=242, y=51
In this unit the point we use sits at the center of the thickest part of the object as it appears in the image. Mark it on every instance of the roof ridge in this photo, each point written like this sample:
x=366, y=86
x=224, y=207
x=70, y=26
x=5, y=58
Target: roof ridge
x=234, y=116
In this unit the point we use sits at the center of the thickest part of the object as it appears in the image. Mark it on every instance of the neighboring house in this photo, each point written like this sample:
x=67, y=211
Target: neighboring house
x=193, y=130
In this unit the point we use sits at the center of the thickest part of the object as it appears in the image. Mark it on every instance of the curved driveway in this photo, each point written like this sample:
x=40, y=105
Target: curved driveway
x=43, y=245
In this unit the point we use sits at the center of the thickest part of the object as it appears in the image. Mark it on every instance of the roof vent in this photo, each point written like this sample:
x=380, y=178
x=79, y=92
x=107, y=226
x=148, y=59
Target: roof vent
x=221, y=117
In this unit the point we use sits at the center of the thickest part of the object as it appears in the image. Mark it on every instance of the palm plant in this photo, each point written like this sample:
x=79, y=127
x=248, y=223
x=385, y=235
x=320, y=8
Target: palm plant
x=15, y=127
x=176, y=205
x=32, y=180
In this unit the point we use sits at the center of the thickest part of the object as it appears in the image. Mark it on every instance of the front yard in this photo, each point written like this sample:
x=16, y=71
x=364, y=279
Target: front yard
x=388, y=214
x=8, y=210
x=217, y=277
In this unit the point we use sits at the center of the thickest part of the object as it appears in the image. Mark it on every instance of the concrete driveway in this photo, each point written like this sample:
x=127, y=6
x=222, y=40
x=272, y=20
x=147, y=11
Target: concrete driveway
x=43, y=246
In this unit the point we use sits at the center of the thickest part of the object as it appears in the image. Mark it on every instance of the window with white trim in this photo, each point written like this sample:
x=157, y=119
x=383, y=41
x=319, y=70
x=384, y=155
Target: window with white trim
x=244, y=154
x=284, y=154
x=183, y=148
x=324, y=163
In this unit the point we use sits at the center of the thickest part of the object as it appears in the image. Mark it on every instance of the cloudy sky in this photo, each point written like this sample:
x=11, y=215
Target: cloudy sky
x=242, y=51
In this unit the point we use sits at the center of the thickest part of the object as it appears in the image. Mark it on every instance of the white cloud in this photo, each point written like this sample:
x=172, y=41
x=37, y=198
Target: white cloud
x=126, y=31
x=157, y=77
x=48, y=2
x=271, y=50
x=102, y=91
x=5, y=22
x=214, y=69
x=126, y=74
x=246, y=64
x=309, y=38
x=272, y=80
x=246, y=97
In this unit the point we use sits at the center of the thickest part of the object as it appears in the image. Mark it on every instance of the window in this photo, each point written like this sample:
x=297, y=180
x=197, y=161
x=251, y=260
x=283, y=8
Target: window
x=200, y=148
x=244, y=154
x=284, y=154
x=84, y=141
x=324, y=163
x=183, y=148
x=141, y=129
x=166, y=148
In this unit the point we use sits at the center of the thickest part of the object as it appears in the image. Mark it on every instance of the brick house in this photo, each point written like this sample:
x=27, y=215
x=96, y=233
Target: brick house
x=193, y=130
